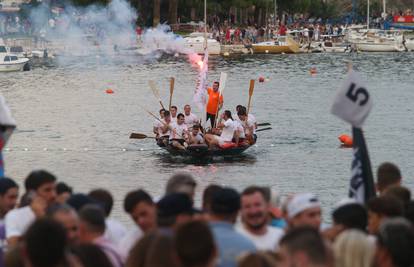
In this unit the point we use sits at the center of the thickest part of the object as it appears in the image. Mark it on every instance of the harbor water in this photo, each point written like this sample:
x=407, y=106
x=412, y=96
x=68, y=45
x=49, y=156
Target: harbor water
x=68, y=125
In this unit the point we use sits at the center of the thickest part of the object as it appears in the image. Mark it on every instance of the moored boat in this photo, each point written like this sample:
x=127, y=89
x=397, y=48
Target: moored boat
x=283, y=45
x=195, y=43
x=12, y=63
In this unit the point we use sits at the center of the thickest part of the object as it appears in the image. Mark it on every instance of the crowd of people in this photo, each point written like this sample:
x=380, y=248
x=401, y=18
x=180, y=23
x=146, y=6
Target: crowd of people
x=181, y=130
x=53, y=226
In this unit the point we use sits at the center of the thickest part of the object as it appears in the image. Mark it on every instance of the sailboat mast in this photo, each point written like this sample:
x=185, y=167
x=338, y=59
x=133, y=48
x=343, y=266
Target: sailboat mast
x=368, y=14
x=205, y=24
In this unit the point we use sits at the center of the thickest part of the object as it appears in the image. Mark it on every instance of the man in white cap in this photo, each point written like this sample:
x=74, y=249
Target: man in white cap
x=304, y=209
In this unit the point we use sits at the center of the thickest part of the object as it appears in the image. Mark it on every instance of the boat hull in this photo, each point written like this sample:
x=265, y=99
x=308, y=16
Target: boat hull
x=9, y=67
x=288, y=47
x=203, y=152
x=374, y=47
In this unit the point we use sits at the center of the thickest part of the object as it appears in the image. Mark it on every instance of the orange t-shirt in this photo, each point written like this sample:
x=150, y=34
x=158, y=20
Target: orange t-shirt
x=213, y=101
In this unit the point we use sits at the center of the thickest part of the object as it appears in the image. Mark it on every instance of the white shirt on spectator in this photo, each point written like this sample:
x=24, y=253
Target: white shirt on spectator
x=18, y=220
x=129, y=240
x=268, y=241
x=115, y=231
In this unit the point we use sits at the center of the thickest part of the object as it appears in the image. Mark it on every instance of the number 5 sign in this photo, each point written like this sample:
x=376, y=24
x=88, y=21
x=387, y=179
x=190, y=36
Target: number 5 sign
x=352, y=102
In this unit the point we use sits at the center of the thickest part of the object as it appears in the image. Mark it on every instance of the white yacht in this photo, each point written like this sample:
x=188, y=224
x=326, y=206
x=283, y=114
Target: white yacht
x=195, y=43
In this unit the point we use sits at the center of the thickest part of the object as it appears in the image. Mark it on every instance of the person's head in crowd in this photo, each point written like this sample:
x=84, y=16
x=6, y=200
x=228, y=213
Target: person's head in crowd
x=303, y=246
x=42, y=184
x=208, y=195
x=225, y=205
x=139, y=252
x=161, y=252
x=66, y=216
x=63, y=192
x=259, y=259
x=395, y=243
x=45, y=244
x=79, y=200
x=254, y=209
x=173, y=210
x=352, y=248
x=181, y=182
x=400, y=192
x=347, y=215
x=91, y=223
x=304, y=209
x=140, y=206
x=91, y=255
x=381, y=208
x=194, y=244
x=103, y=198
x=388, y=174
x=9, y=192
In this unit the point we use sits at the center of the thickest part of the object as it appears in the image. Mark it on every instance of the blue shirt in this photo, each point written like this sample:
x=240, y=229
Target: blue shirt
x=230, y=243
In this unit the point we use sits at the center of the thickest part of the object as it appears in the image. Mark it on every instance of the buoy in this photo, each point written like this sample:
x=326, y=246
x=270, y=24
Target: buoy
x=313, y=71
x=346, y=140
x=261, y=79
x=109, y=91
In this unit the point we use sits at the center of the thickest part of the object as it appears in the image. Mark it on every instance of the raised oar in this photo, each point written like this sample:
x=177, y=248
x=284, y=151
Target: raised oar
x=264, y=129
x=172, y=80
x=251, y=89
x=140, y=136
x=155, y=92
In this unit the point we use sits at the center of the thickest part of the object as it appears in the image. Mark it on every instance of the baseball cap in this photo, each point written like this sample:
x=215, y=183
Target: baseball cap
x=301, y=202
x=174, y=204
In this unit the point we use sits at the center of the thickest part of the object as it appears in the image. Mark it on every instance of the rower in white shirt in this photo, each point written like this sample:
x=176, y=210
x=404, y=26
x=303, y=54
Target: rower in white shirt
x=178, y=132
x=227, y=133
x=173, y=111
x=157, y=124
x=164, y=129
x=190, y=118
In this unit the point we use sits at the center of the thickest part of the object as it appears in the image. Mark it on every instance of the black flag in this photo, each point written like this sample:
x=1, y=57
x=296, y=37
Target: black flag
x=362, y=186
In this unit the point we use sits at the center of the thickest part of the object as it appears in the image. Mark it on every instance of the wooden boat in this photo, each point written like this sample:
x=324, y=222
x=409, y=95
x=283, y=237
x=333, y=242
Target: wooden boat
x=203, y=151
x=283, y=45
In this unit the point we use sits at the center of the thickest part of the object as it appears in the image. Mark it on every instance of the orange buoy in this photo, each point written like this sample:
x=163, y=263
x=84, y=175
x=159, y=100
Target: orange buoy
x=313, y=71
x=345, y=140
x=109, y=91
x=261, y=79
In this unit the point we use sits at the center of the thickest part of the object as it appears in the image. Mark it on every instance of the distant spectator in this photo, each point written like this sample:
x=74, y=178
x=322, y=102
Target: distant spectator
x=173, y=210
x=225, y=207
x=194, y=244
x=66, y=216
x=254, y=215
x=207, y=196
x=142, y=210
x=352, y=248
x=303, y=246
x=115, y=231
x=91, y=230
x=41, y=189
x=381, y=208
x=181, y=182
x=304, y=209
x=400, y=192
x=395, y=244
x=63, y=192
x=388, y=174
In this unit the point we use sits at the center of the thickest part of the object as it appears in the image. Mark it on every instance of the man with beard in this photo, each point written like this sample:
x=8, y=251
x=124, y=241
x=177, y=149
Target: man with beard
x=254, y=215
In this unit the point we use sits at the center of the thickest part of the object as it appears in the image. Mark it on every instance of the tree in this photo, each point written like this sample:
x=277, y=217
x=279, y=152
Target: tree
x=156, y=13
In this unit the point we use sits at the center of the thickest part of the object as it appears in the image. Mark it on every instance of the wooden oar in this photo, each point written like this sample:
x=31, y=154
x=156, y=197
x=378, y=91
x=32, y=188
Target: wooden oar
x=172, y=80
x=155, y=92
x=263, y=124
x=251, y=89
x=264, y=129
x=140, y=136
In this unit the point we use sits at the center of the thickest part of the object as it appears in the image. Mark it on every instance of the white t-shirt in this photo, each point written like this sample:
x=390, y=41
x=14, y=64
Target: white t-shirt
x=160, y=131
x=268, y=241
x=173, y=119
x=129, y=240
x=18, y=220
x=228, y=131
x=239, y=127
x=115, y=231
x=190, y=120
x=178, y=131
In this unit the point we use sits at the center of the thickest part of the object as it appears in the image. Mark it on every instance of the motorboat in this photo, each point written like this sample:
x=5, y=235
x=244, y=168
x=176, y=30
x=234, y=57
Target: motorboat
x=331, y=47
x=283, y=45
x=11, y=62
x=195, y=43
